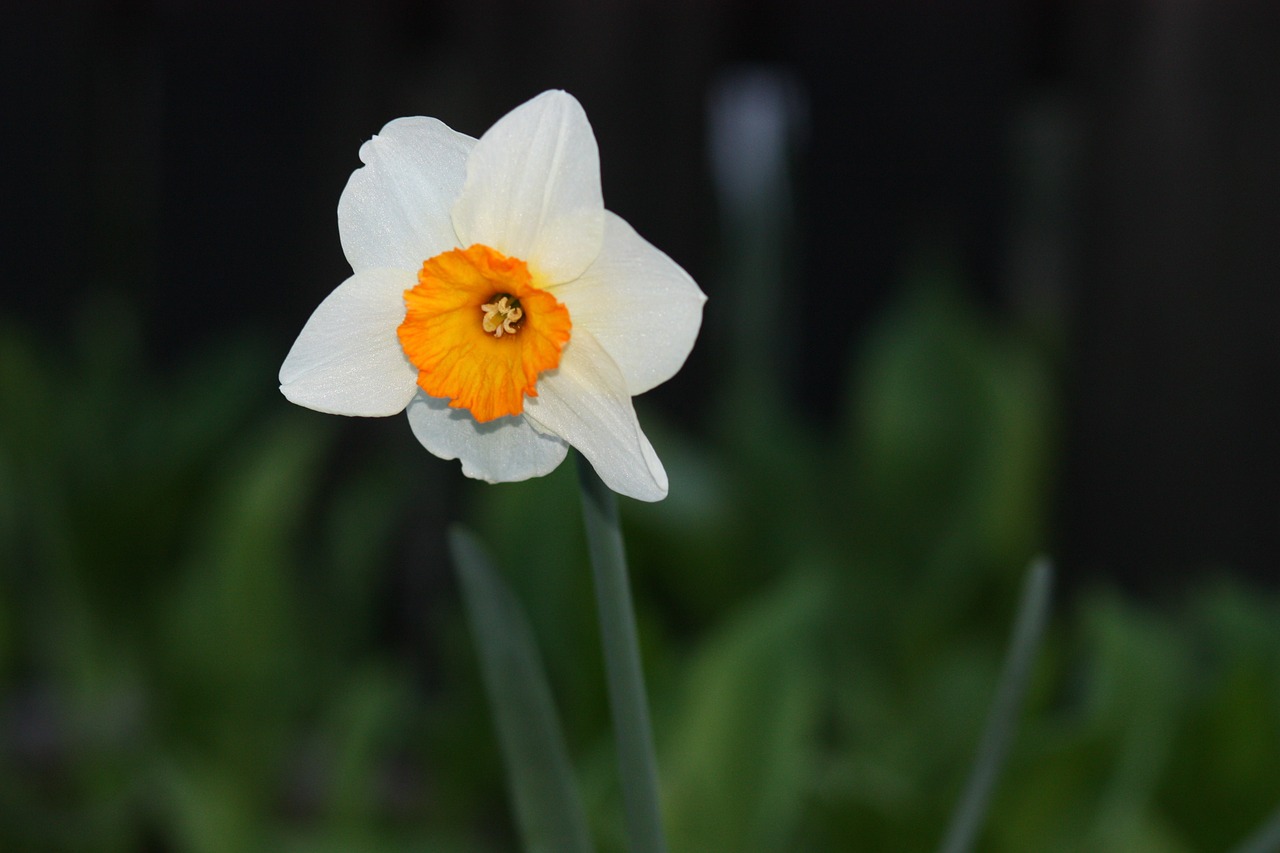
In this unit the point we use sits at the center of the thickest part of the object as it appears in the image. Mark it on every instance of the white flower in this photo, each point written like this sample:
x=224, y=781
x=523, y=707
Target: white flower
x=496, y=300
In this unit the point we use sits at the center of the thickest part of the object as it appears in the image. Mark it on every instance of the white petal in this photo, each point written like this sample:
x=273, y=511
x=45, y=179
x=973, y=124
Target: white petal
x=501, y=451
x=533, y=189
x=639, y=304
x=348, y=359
x=585, y=402
x=394, y=211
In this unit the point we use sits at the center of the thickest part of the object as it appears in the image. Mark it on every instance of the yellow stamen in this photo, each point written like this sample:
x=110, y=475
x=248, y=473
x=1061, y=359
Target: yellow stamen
x=501, y=316
x=480, y=333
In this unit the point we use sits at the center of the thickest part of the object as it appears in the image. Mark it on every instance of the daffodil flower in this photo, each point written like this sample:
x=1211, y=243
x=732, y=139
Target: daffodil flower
x=497, y=302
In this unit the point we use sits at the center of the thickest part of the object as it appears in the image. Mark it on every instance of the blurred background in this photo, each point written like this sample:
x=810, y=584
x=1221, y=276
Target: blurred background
x=987, y=281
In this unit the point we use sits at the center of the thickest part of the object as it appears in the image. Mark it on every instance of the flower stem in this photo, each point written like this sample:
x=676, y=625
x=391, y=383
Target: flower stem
x=637, y=764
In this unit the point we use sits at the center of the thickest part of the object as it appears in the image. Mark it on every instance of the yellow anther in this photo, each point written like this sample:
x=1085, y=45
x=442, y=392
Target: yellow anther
x=501, y=316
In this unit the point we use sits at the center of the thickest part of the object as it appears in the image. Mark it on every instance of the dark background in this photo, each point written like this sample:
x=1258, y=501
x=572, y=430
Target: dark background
x=1105, y=170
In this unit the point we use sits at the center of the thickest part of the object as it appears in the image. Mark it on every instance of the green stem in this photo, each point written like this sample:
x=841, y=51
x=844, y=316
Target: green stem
x=637, y=764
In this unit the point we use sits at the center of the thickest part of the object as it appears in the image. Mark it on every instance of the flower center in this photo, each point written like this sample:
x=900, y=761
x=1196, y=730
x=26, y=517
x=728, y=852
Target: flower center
x=486, y=367
x=500, y=317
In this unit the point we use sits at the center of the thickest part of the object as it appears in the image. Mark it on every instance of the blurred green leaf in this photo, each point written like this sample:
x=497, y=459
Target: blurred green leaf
x=948, y=443
x=549, y=574
x=207, y=811
x=365, y=722
x=1138, y=692
x=739, y=745
x=540, y=776
x=231, y=640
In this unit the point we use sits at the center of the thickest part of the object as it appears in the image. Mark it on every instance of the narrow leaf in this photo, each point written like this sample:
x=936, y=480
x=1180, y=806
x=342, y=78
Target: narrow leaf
x=1033, y=611
x=539, y=775
x=1266, y=839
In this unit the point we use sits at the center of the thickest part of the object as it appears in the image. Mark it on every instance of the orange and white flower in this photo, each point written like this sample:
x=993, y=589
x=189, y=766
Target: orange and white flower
x=498, y=302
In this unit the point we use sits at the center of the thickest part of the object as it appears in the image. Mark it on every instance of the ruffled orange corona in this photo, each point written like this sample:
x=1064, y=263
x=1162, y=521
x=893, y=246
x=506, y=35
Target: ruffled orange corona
x=479, y=332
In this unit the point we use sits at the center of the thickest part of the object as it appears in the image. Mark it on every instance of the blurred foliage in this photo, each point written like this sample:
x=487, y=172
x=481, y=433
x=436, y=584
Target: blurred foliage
x=193, y=655
x=540, y=777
